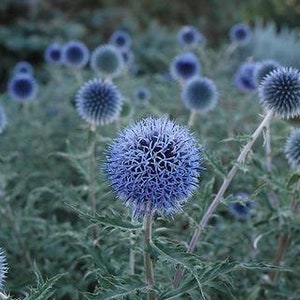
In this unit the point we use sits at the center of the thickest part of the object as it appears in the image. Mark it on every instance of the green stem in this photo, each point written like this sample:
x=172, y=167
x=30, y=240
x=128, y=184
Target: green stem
x=132, y=252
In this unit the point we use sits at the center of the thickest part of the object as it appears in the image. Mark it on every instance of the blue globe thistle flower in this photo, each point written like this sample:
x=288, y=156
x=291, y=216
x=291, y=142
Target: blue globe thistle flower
x=244, y=78
x=99, y=102
x=154, y=164
x=280, y=92
x=75, y=54
x=199, y=94
x=22, y=87
x=240, y=33
x=107, y=61
x=3, y=120
x=185, y=66
x=264, y=68
x=141, y=95
x=23, y=67
x=189, y=36
x=241, y=208
x=292, y=149
x=128, y=56
x=120, y=39
x=53, y=54
x=3, y=268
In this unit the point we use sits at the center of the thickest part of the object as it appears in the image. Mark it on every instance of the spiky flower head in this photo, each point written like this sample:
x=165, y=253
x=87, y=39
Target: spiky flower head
x=99, y=102
x=22, y=87
x=3, y=120
x=107, y=61
x=23, y=67
x=3, y=269
x=154, y=163
x=240, y=33
x=199, y=94
x=142, y=95
x=264, y=68
x=120, y=39
x=189, y=36
x=75, y=54
x=53, y=54
x=241, y=208
x=244, y=78
x=292, y=149
x=185, y=66
x=280, y=92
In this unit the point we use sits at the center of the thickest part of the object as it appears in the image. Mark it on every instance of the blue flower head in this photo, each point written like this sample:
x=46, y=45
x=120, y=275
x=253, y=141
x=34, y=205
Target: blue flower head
x=99, y=102
x=199, y=94
x=22, y=87
x=154, y=164
x=120, y=39
x=53, y=54
x=75, y=54
x=244, y=78
x=3, y=269
x=264, y=68
x=280, y=92
x=3, y=120
x=241, y=208
x=142, y=95
x=107, y=61
x=292, y=149
x=128, y=56
x=189, y=36
x=240, y=33
x=185, y=66
x=23, y=67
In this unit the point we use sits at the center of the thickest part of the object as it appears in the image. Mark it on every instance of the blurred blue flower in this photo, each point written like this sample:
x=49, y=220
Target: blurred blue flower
x=3, y=119
x=99, y=102
x=120, y=39
x=280, y=92
x=3, y=269
x=185, y=66
x=154, y=164
x=244, y=78
x=22, y=87
x=23, y=67
x=292, y=149
x=53, y=54
x=141, y=95
x=75, y=54
x=264, y=68
x=240, y=33
x=242, y=207
x=190, y=37
x=128, y=56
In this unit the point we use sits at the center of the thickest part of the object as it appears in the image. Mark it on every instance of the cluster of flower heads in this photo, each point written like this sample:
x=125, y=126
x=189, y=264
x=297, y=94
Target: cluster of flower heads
x=240, y=34
x=189, y=37
x=3, y=120
x=141, y=95
x=244, y=78
x=3, y=269
x=242, y=206
x=292, y=149
x=154, y=164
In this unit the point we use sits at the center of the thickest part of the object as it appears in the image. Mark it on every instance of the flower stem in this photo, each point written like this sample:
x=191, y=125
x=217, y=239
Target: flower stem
x=206, y=217
x=132, y=252
x=192, y=118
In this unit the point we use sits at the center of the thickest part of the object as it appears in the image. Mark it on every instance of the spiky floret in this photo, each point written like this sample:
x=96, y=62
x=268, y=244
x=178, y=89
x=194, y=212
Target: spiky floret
x=185, y=66
x=3, y=120
x=141, y=95
x=199, y=94
x=107, y=61
x=154, y=163
x=23, y=67
x=53, y=54
x=244, y=78
x=22, y=87
x=292, y=149
x=189, y=36
x=280, y=92
x=99, y=102
x=120, y=39
x=3, y=269
x=264, y=68
x=240, y=33
x=75, y=54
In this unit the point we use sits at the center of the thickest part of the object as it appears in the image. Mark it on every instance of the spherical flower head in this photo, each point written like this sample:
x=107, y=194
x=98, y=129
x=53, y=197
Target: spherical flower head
x=23, y=67
x=53, y=54
x=264, y=68
x=280, y=92
x=154, y=164
x=75, y=54
x=120, y=39
x=99, y=102
x=128, y=56
x=3, y=120
x=240, y=33
x=244, y=78
x=241, y=208
x=188, y=36
x=199, y=94
x=3, y=269
x=185, y=66
x=107, y=61
x=292, y=149
x=22, y=87
x=141, y=95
